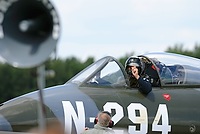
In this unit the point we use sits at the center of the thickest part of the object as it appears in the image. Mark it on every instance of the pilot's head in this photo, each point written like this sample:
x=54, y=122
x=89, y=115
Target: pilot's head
x=133, y=61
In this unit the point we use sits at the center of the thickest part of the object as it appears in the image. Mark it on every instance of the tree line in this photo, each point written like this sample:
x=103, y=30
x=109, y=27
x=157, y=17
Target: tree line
x=15, y=81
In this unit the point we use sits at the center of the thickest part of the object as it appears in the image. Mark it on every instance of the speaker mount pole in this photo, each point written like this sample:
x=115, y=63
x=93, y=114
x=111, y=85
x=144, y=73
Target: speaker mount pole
x=41, y=85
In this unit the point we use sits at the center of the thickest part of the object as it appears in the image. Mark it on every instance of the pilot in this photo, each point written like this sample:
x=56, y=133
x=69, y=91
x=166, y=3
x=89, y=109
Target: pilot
x=103, y=124
x=134, y=68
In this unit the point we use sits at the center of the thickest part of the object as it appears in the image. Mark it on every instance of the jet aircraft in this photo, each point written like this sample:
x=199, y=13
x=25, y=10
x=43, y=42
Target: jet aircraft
x=29, y=30
x=171, y=108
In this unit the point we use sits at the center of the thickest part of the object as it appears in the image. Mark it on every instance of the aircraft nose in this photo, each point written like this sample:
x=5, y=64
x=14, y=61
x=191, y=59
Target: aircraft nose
x=4, y=124
x=19, y=114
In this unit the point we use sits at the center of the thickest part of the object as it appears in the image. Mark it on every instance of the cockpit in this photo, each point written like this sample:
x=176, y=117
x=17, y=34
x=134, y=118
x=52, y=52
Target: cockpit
x=163, y=69
x=174, y=69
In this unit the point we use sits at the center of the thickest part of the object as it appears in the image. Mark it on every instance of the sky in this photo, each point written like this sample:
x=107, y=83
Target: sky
x=99, y=28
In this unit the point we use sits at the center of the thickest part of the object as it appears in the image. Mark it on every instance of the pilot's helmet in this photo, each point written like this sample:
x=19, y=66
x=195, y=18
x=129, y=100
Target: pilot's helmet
x=133, y=61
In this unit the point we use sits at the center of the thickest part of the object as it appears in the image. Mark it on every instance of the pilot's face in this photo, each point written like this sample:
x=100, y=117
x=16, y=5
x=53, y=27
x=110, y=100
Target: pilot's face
x=134, y=71
x=132, y=67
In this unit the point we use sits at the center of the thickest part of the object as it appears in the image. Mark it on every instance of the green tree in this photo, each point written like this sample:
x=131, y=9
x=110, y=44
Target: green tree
x=15, y=82
x=178, y=48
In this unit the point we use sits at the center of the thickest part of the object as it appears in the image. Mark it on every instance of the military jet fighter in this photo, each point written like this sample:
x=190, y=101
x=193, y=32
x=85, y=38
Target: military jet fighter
x=172, y=107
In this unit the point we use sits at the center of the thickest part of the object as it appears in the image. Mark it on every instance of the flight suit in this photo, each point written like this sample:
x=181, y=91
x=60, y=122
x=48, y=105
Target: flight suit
x=143, y=84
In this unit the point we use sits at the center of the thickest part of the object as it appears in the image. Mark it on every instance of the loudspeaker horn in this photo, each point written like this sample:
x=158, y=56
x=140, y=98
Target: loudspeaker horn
x=29, y=31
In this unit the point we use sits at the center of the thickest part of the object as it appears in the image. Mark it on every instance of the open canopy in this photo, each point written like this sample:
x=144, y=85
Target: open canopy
x=175, y=68
x=164, y=69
